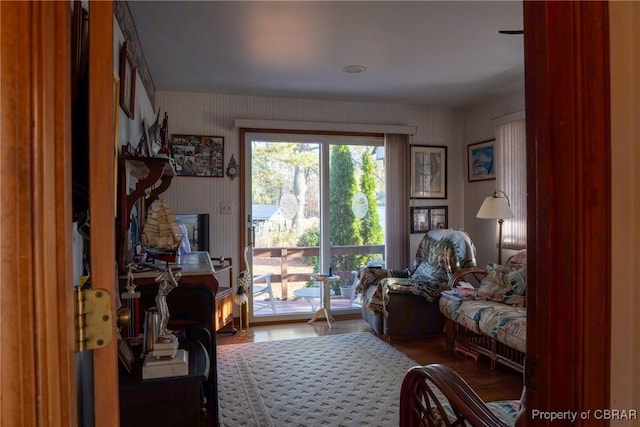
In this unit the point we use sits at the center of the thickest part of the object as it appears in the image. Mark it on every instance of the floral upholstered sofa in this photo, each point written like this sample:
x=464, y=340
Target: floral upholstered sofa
x=404, y=303
x=489, y=318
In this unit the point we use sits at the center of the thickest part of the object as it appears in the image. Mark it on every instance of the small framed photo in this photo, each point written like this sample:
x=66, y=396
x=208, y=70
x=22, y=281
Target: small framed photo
x=198, y=155
x=126, y=355
x=127, y=81
x=480, y=160
x=428, y=172
x=419, y=219
x=438, y=217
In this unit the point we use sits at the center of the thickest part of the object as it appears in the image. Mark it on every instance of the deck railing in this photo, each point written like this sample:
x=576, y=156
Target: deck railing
x=286, y=254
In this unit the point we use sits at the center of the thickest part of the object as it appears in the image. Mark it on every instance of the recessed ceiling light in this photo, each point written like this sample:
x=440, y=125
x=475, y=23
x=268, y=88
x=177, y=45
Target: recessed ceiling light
x=353, y=69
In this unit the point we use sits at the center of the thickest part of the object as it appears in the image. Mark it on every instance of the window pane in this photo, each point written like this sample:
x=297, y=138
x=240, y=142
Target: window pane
x=286, y=219
x=356, y=212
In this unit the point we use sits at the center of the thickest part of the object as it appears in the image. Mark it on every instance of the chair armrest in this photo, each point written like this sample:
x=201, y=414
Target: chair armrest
x=370, y=276
x=266, y=277
x=478, y=274
x=402, y=274
x=420, y=406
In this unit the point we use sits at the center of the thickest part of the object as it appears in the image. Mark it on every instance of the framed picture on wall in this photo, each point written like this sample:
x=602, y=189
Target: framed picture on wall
x=428, y=172
x=425, y=218
x=419, y=219
x=438, y=217
x=127, y=81
x=480, y=160
x=198, y=155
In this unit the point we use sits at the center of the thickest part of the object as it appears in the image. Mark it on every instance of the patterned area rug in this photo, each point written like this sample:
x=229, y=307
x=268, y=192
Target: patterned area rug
x=335, y=380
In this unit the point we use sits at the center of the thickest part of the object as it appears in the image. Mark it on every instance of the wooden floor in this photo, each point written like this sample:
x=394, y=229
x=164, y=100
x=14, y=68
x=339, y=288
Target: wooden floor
x=499, y=385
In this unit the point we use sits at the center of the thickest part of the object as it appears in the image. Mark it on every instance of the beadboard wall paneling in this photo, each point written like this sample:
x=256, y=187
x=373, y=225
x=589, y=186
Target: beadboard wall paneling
x=214, y=114
x=478, y=126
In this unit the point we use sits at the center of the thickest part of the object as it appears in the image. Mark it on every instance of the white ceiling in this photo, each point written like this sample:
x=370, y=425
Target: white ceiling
x=443, y=53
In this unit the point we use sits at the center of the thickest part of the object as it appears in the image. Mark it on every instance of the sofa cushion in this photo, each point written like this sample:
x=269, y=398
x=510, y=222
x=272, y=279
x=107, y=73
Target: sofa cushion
x=516, y=279
x=514, y=332
x=506, y=324
x=518, y=259
x=450, y=307
x=504, y=283
x=471, y=311
x=492, y=287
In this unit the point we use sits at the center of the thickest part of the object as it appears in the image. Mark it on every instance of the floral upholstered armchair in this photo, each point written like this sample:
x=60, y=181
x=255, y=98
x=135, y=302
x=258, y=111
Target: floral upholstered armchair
x=405, y=302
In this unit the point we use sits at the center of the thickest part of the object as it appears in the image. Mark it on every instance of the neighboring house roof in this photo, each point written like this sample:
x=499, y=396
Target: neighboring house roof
x=266, y=213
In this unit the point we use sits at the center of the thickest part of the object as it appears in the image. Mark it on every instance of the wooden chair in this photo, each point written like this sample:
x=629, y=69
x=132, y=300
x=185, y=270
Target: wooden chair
x=435, y=395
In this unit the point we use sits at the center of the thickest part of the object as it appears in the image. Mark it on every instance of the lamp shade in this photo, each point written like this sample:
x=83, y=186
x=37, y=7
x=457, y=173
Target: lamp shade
x=495, y=208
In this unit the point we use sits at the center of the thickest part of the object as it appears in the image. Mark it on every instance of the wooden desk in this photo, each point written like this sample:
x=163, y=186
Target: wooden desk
x=195, y=268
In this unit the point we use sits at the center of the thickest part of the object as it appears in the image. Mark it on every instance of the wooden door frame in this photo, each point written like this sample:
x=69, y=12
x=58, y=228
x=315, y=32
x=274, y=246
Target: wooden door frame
x=37, y=351
x=102, y=165
x=38, y=376
x=569, y=207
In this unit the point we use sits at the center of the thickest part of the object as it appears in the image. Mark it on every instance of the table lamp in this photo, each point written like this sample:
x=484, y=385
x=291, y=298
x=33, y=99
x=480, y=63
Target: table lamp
x=496, y=207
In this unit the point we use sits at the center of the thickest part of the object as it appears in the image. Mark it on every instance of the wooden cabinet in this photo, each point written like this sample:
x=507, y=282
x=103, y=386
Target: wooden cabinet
x=224, y=298
x=224, y=308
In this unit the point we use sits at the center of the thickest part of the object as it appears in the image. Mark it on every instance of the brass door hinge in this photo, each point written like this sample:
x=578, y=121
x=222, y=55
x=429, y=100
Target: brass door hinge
x=94, y=327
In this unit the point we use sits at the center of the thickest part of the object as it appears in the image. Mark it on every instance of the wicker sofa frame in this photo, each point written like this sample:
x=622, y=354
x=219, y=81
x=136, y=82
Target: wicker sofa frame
x=460, y=339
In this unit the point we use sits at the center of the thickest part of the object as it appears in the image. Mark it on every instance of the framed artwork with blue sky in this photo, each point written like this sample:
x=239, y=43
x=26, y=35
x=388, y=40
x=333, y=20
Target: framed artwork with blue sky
x=481, y=160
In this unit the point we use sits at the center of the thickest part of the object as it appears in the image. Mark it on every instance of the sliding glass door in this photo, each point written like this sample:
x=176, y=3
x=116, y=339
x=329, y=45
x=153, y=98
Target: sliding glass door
x=317, y=206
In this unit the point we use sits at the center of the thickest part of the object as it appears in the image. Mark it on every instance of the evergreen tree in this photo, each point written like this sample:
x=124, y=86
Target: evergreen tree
x=345, y=228
x=371, y=231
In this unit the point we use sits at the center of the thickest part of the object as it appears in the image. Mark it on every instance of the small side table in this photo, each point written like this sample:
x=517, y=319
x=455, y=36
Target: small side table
x=326, y=298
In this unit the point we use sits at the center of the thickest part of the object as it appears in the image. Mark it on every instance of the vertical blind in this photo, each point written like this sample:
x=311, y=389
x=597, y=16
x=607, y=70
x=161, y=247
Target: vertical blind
x=511, y=177
x=397, y=194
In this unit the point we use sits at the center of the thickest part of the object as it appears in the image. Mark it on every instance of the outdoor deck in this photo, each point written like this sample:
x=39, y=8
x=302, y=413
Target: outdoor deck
x=302, y=306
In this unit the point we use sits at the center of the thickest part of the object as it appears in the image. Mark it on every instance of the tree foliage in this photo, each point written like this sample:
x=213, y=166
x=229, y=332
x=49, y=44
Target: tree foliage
x=371, y=231
x=280, y=168
x=345, y=229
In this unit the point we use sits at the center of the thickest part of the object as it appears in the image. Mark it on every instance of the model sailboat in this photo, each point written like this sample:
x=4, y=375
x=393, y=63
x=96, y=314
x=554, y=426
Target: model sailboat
x=161, y=234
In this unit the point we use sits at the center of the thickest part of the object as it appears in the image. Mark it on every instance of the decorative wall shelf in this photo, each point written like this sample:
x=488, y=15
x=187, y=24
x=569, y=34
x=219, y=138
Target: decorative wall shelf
x=154, y=175
x=148, y=171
